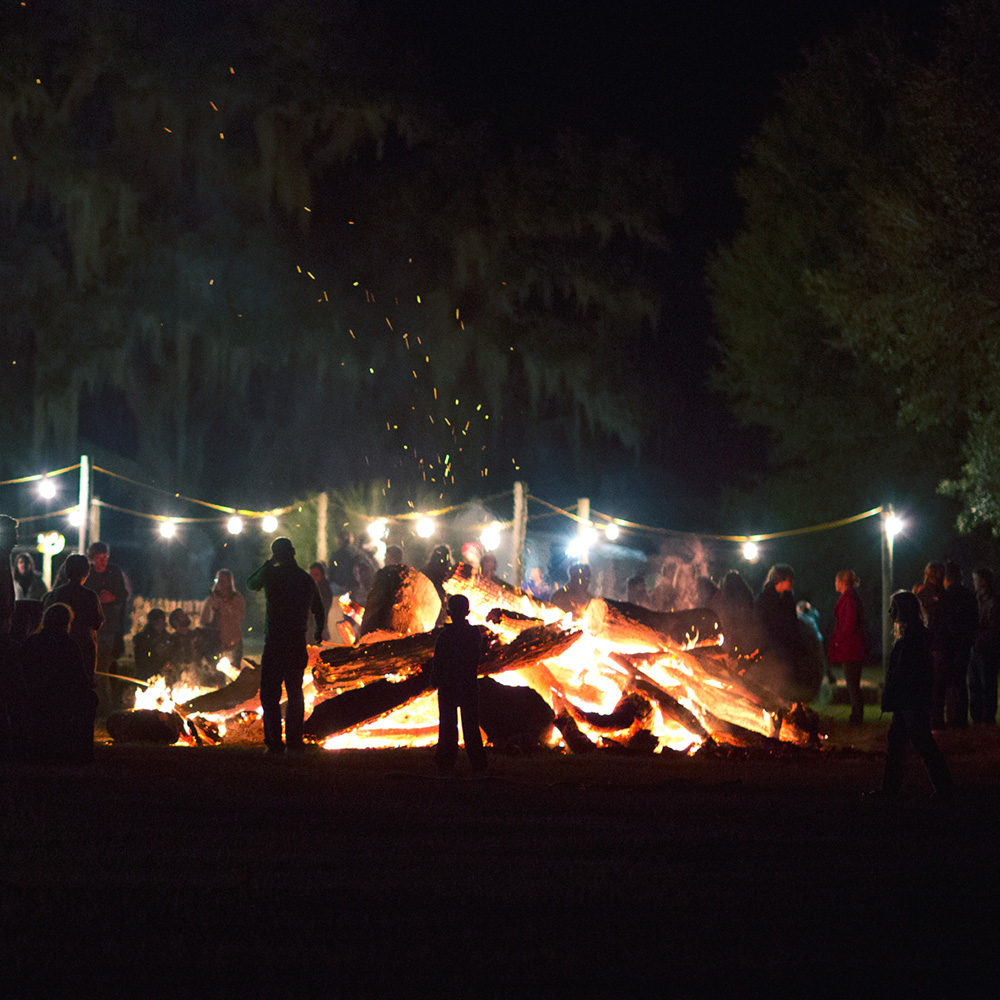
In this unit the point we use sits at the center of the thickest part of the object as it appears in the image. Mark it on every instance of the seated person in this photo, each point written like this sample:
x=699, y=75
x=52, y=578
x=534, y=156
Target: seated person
x=151, y=645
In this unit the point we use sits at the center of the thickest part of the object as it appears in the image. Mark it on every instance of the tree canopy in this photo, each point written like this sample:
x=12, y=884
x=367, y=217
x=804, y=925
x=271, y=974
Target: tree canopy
x=857, y=305
x=241, y=252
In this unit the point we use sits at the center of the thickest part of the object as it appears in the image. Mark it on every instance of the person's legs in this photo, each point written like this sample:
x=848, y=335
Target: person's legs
x=852, y=673
x=895, y=758
x=470, y=729
x=295, y=708
x=923, y=741
x=447, y=746
x=271, y=678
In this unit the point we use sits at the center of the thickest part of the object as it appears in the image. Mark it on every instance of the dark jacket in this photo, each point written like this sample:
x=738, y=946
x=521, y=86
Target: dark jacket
x=960, y=614
x=290, y=594
x=908, y=680
x=87, y=618
x=776, y=613
x=457, y=655
x=987, y=641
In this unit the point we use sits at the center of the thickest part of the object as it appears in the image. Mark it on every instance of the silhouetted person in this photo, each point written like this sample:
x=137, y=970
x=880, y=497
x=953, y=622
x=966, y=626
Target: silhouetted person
x=458, y=652
x=11, y=683
x=847, y=640
x=929, y=593
x=636, y=591
x=775, y=610
x=8, y=539
x=907, y=694
x=28, y=585
x=151, y=645
x=575, y=595
x=317, y=571
x=60, y=699
x=960, y=618
x=26, y=619
x=734, y=606
x=985, y=658
x=439, y=568
x=86, y=608
x=342, y=563
x=107, y=580
x=393, y=556
x=290, y=594
x=488, y=566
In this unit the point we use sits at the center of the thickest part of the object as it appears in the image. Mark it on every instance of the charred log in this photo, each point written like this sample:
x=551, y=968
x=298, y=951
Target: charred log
x=513, y=718
x=575, y=741
x=528, y=648
x=145, y=726
x=483, y=593
x=363, y=704
x=232, y=696
x=631, y=708
x=367, y=662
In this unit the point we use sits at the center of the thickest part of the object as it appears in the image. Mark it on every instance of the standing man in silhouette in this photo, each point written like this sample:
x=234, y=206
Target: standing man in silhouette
x=457, y=655
x=290, y=594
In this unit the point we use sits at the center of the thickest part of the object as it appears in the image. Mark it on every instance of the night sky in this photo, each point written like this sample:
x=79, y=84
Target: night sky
x=694, y=79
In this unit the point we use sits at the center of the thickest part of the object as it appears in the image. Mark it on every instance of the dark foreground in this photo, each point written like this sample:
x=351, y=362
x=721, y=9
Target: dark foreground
x=216, y=873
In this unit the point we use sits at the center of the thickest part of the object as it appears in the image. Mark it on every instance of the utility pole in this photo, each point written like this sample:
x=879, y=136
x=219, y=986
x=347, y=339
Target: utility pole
x=519, y=531
x=583, y=528
x=887, y=525
x=84, y=510
x=322, y=512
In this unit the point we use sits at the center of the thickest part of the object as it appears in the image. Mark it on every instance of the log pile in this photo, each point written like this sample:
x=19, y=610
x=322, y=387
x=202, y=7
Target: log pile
x=616, y=677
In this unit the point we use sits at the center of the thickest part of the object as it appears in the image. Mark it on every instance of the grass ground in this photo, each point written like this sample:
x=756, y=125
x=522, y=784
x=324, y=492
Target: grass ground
x=174, y=872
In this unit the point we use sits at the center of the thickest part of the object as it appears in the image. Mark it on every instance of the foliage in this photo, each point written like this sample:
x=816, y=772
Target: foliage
x=240, y=256
x=803, y=304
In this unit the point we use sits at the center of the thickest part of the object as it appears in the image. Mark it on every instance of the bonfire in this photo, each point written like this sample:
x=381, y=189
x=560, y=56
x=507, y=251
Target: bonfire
x=607, y=676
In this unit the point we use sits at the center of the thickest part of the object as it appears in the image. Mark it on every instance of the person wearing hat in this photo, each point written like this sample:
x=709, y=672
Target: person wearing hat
x=290, y=594
x=458, y=652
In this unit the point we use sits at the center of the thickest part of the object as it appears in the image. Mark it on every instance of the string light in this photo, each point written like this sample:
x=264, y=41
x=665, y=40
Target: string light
x=425, y=527
x=47, y=489
x=751, y=551
x=234, y=525
x=168, y=529
x=269, y=524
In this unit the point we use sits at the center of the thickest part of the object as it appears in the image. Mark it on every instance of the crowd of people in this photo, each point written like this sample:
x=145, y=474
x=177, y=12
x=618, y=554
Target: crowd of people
x=59, y=648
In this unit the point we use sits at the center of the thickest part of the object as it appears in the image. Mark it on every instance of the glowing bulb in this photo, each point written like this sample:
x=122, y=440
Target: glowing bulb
x=235, y=525
x=751, y=551
x=425, y=527
x=168, y=529
x=577, y=549
x=893, y=526
x=47, y=489
x=378, y=529
x=490, y=538
x=611, y=532
x=76, y=517
x=269, y=524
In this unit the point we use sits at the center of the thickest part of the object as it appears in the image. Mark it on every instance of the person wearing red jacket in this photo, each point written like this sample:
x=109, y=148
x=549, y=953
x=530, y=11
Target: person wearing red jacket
x=847, y=641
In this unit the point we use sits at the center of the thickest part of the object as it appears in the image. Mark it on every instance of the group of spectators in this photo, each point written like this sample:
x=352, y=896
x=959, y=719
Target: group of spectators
x=51, y=646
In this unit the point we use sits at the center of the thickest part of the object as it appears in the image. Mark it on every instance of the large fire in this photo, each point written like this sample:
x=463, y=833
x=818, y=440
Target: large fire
x=609, y=677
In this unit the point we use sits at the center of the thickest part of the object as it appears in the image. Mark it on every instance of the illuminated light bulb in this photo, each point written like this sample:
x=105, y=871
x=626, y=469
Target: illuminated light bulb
x=378, y=529
x=47, y=489
x=234, y=525
x=168, y=529
x=76, y=517
x=425, y=527
x=611, y=532
x=577, y=549
x=269, y=524
x=490, y=536
x=893, y=526
x=751, y=551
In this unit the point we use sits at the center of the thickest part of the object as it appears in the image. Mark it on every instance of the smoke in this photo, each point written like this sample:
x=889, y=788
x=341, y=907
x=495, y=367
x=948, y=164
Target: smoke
x=681, y=564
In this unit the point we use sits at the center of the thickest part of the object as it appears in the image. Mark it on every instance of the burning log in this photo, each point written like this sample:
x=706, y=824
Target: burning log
x=379, y=696
x=636, y=628
x=233, y=696
x=575, y=741
x=513, y=718
x=145, y=726
x=362, y=704
x=485, y=594
x=344, y=665
x=401, y=600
